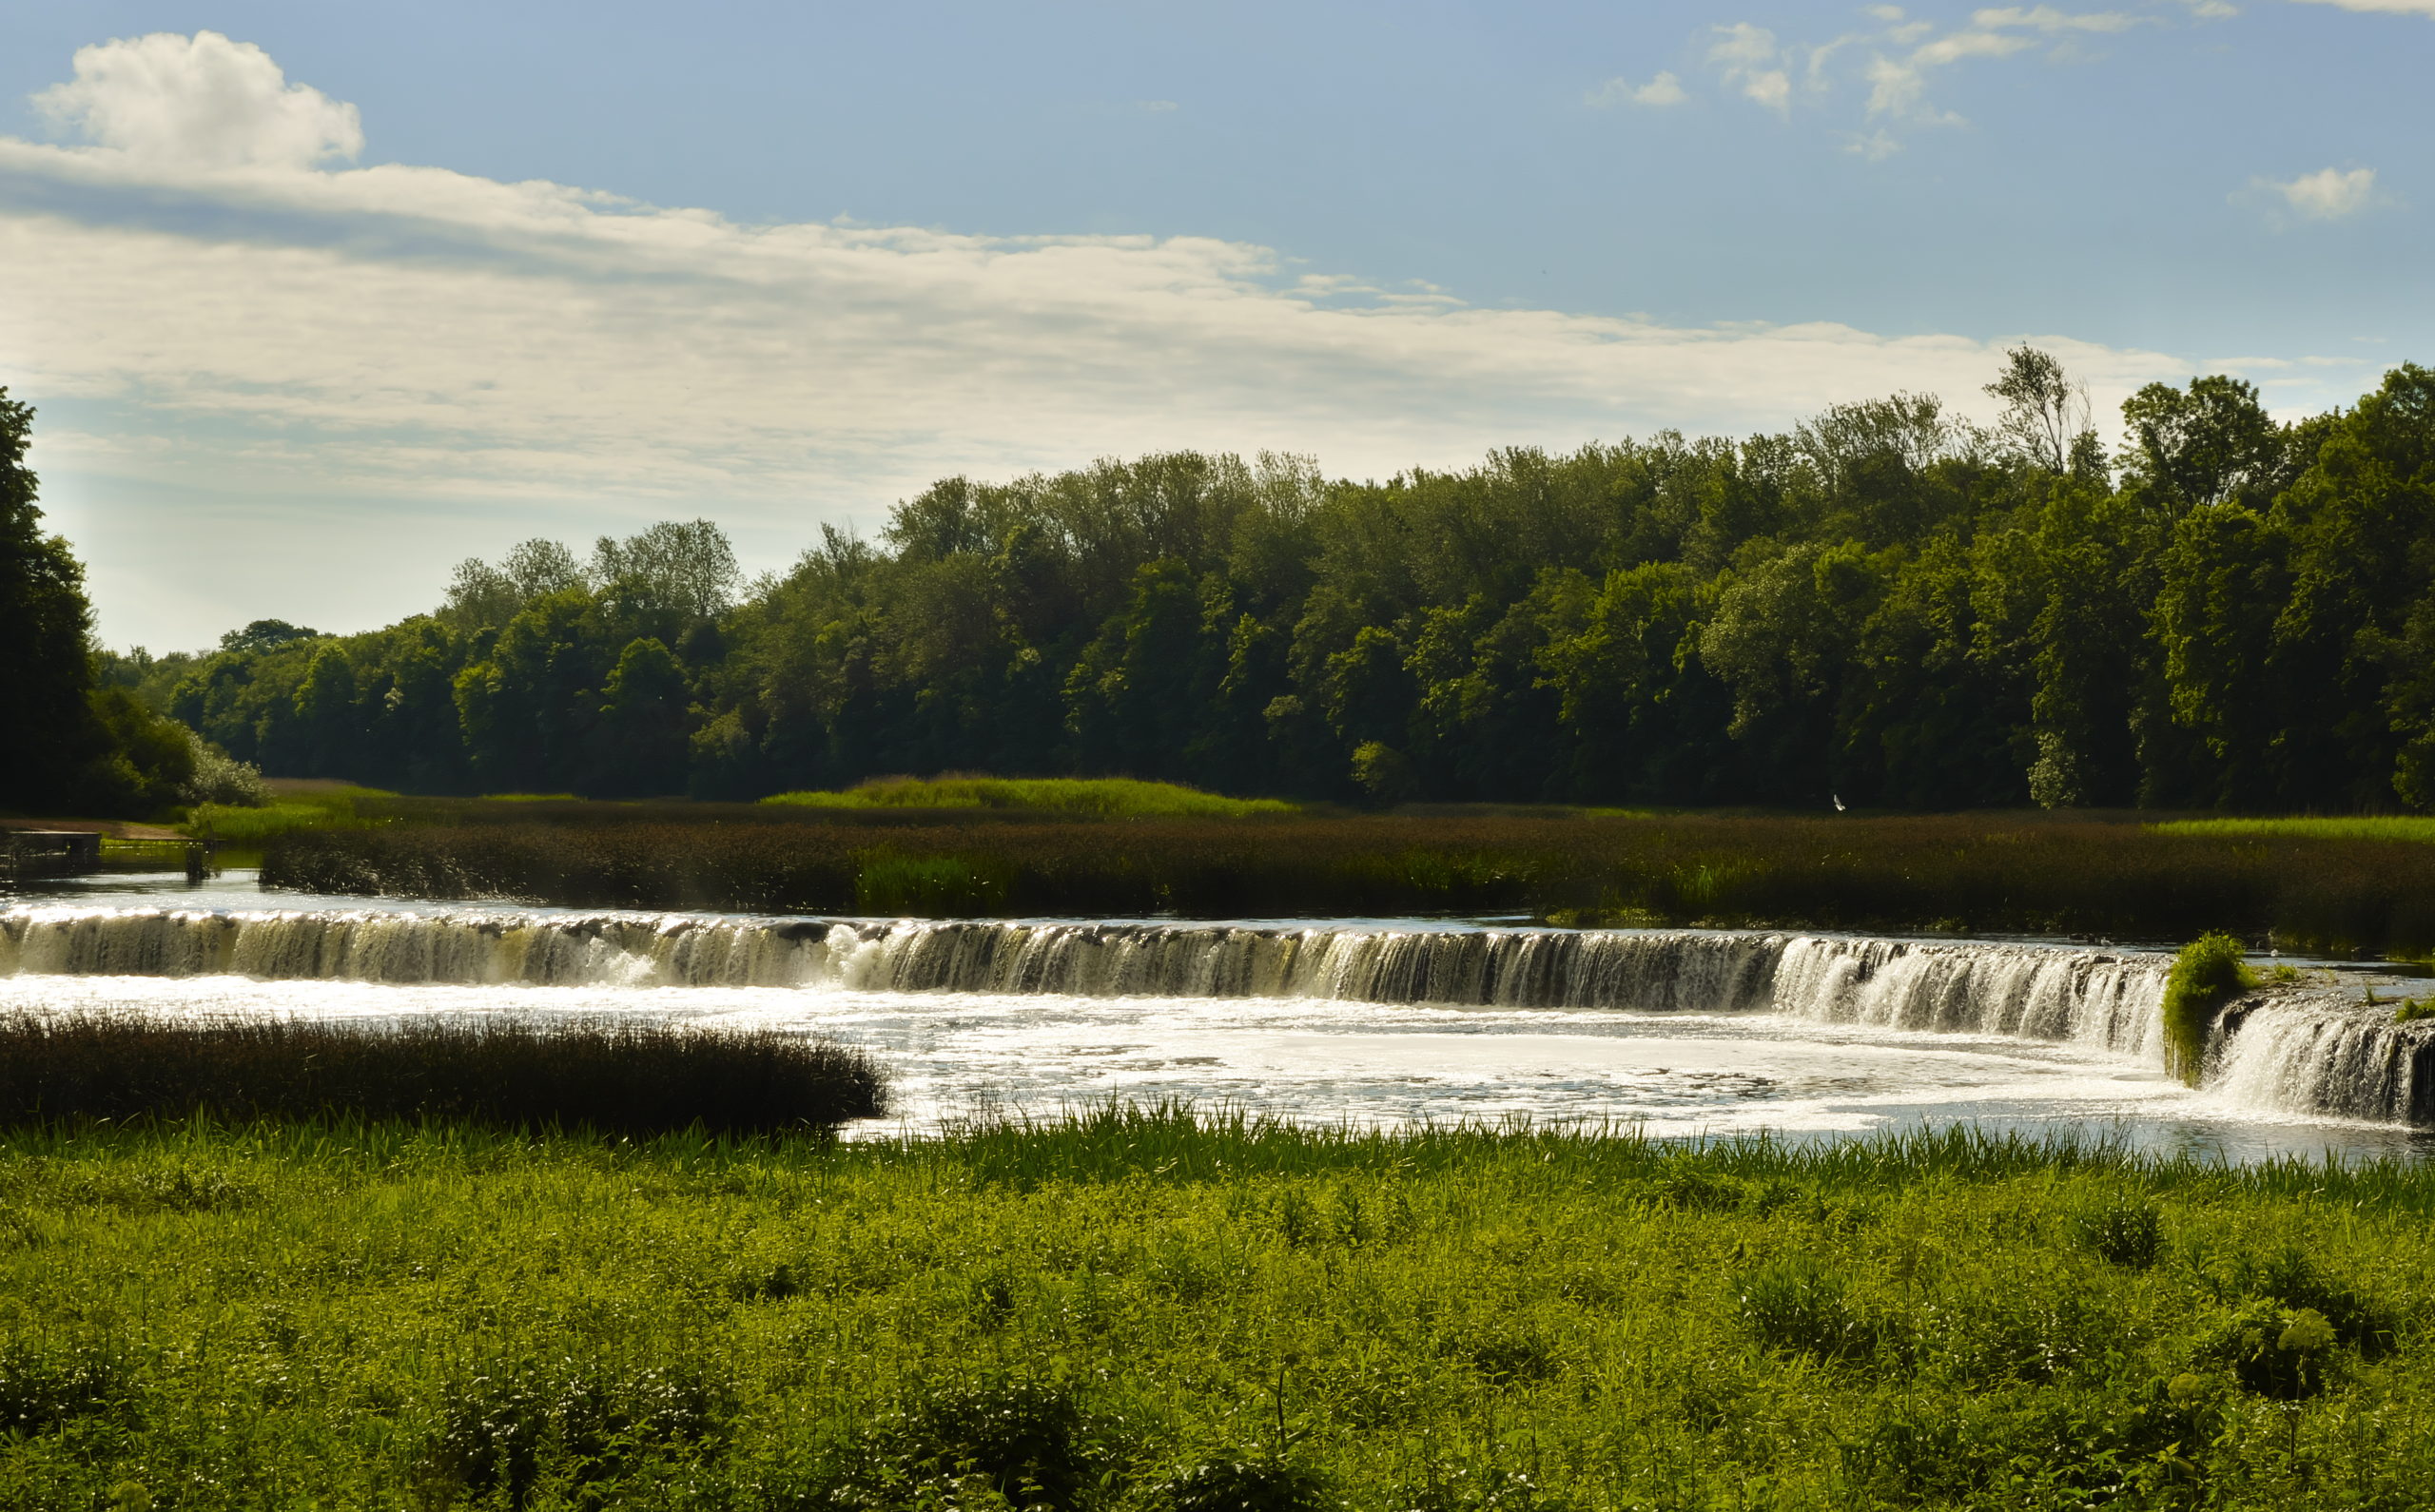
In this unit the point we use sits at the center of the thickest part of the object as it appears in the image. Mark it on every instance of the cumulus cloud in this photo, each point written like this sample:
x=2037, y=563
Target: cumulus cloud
x=1666, y=89
x=420, y=332
x=2328, y=194
x=201, y=101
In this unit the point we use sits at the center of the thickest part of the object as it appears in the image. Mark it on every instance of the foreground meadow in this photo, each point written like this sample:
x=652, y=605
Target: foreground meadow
x=1135, y=1309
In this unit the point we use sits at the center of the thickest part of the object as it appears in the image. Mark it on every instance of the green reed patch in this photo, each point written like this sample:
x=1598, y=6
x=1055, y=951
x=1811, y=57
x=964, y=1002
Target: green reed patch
x=622, y=1078
x=1135, y=1309
x=1959, y=873
x=2411, y=828
x=1094, y=797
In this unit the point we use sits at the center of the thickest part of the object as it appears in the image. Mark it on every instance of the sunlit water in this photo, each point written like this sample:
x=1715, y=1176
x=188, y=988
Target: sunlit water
x=1314, y=1058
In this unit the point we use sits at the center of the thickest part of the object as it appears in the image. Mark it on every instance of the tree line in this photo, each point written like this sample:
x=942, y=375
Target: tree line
x=1887, y=605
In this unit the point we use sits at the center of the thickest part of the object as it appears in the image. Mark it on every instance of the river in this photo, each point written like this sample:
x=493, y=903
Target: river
x=1678, y=1033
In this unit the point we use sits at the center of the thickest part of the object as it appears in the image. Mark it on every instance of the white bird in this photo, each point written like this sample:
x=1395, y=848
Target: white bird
x=1839, y=802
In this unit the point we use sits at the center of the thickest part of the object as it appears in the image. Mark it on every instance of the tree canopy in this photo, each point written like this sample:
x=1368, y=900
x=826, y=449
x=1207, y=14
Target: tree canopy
x=1886, y=602
x=71, y=744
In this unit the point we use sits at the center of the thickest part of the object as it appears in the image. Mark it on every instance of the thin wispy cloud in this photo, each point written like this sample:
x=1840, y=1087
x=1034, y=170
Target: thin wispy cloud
x=418, y=331
x=1895, y=62
x=2394, y=7
x=1666, y=89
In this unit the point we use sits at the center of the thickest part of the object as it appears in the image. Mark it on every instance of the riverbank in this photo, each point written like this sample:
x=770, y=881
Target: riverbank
x=1951, y=873
x=1137, y=1310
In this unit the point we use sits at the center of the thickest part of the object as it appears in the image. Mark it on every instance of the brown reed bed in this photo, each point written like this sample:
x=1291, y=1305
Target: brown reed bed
x=1977, y=873
x=618, y=1079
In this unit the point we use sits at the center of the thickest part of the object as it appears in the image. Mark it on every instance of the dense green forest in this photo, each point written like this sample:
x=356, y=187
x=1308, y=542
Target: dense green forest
x=1886, y=604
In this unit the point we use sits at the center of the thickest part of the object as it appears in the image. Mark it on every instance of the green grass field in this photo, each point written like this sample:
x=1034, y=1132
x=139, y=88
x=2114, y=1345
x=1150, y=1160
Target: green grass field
x=1099, y=797
x=1135, y=1310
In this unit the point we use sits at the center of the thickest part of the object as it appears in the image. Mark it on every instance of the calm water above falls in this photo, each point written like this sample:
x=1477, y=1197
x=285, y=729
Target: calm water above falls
x=1681, y=1032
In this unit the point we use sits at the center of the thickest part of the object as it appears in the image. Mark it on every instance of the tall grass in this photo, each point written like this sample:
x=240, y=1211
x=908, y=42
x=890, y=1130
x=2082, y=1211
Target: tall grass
x=1137, y=1311
x=1956, y=873
x=625, y=1078
x=334, y=807
x=2414, y=828
x=1097, y=797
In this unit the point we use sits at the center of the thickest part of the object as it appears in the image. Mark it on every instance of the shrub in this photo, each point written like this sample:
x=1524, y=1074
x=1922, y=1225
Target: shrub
x=2289, y=1275
x=221, y=779
x=2209, y=970
x=2279, y=1352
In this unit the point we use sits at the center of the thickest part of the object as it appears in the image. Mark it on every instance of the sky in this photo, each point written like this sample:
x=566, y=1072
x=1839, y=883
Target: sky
x=316, y=300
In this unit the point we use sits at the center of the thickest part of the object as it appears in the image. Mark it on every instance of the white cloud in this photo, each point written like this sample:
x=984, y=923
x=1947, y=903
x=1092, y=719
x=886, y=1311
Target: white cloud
x=202, y=101
x=2328, y=194
x=1666, y=89
x=2398, y=7
x=2048, y=20
x=1749, y=61
x=418, y=333
x=1901, y=55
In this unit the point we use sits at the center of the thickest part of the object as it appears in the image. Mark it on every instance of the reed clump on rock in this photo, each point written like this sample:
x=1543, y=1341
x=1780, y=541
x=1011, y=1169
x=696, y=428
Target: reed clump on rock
x=618, y=1079
x=2207, y=972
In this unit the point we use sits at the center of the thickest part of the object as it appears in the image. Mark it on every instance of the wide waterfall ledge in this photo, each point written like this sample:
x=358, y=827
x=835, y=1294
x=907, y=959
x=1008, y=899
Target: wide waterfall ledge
x=2306, y=1051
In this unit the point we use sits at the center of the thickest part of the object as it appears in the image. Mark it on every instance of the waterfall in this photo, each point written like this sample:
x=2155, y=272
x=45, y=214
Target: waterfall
x=2324, y=1053
x=2106, y=1002
x=2311, y=1052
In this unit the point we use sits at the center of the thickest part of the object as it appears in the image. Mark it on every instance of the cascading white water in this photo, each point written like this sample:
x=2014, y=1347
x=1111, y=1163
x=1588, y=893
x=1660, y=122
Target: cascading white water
x=2040, y=992
x=2327, y=1055
x=2312, y=1053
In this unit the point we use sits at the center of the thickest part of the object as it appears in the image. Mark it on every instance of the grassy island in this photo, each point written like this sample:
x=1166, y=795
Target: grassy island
x=2025, y=873
x=1137, y=1309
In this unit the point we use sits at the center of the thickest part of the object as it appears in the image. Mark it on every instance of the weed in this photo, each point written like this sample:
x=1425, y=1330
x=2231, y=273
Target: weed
x=1241, y=1485
x=44, y=1384
x=2128, y=1232
x=502, y=1431
x=1799, y=1306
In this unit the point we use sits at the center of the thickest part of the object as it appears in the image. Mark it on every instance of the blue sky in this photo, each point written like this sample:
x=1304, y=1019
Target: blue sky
x=779, y=264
